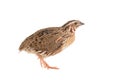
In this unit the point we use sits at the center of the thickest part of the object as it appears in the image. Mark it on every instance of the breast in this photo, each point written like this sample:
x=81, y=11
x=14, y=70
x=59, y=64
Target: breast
x=69, y=41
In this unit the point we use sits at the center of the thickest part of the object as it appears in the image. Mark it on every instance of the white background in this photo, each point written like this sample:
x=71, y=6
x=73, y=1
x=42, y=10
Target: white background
x=95, y=54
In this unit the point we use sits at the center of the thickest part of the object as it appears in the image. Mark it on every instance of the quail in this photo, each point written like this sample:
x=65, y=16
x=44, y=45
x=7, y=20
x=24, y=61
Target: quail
x=50, y=41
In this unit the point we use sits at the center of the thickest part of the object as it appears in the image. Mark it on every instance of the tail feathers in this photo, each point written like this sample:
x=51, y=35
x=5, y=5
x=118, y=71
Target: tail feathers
x=22, y=46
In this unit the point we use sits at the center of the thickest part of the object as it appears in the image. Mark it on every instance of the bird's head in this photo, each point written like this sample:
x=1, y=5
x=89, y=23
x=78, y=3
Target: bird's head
x=72, y=25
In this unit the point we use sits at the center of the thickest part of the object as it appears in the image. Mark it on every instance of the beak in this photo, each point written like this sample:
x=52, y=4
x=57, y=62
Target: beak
x=81, y=23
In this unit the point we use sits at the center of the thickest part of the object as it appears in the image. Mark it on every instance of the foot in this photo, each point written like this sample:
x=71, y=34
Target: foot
x=44, y=64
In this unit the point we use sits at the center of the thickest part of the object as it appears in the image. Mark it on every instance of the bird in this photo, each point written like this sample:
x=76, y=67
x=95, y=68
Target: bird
x=50, y=41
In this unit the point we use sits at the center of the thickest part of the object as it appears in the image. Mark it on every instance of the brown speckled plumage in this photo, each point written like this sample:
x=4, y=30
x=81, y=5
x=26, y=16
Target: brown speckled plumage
x=50, y=41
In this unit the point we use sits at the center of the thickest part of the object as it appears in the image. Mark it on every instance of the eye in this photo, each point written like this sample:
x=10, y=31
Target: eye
x=75, y=23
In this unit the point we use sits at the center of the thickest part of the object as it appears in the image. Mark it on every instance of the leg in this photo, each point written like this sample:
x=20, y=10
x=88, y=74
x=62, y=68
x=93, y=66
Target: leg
x=44, y=64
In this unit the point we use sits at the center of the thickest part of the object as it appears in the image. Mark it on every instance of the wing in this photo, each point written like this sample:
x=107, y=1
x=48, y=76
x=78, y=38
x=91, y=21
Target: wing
x=44, y=41
x=50, y=43
x=32, y=37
